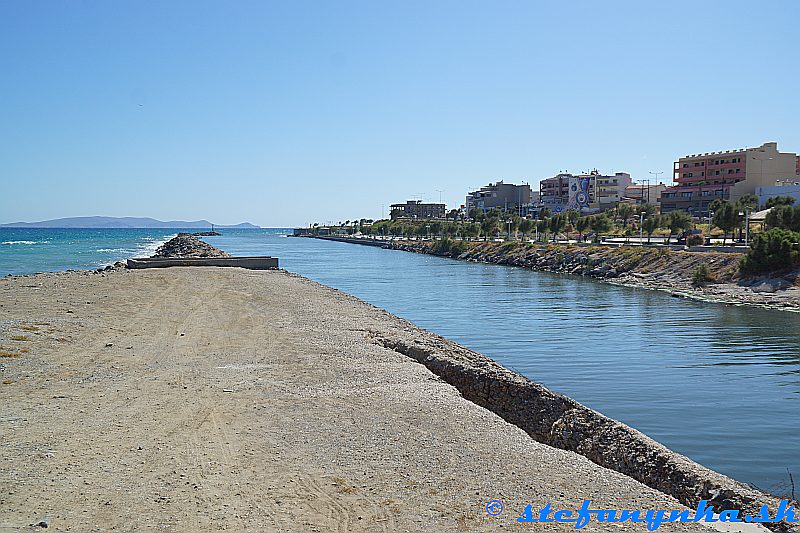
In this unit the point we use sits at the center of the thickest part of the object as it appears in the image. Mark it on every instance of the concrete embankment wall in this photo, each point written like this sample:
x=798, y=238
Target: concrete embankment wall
x=563, y=423
x=253, y=263
x=352, y=240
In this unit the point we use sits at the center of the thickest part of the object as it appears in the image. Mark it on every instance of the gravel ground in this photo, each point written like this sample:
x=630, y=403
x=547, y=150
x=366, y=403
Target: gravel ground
x=205, y=399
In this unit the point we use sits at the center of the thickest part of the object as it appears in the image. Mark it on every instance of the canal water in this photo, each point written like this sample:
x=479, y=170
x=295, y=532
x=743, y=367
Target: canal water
x=718, y=383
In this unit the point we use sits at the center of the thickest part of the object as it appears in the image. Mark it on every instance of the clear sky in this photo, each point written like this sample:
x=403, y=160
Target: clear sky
x=284, y=113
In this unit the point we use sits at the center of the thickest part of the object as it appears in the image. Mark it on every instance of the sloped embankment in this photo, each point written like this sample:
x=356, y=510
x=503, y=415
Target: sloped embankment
x=652, y=268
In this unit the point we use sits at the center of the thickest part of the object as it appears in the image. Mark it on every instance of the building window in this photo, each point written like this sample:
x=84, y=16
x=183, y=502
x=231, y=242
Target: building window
x=686, y=194
x=705, y=193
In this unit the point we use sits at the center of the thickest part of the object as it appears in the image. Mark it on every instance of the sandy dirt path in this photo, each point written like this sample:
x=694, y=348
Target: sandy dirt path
x=205, y=399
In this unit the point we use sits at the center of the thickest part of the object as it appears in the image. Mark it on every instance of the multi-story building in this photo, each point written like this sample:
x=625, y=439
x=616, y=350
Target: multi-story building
x=417, y=209
x=584, y=192
x=611, y=189
x=554, y=192
x=702, y=178
x=786, y=188
x=506, y=196
x=643, y=193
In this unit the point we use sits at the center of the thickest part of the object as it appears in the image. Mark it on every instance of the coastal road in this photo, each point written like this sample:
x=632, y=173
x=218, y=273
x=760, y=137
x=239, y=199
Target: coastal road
x=203, y=399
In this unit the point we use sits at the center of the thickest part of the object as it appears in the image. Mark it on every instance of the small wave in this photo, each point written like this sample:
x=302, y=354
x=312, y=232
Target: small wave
x=151, y=245
x=113, y=250
x=24, y=242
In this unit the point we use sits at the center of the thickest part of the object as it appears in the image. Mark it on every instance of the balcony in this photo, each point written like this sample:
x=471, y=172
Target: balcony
x=726, y=165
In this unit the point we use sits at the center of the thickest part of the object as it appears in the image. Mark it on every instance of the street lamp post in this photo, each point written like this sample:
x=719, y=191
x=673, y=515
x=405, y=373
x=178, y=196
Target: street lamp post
x=746, y=216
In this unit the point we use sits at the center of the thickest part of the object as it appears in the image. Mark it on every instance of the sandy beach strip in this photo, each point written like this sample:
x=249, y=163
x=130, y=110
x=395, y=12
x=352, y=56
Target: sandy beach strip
x=205, y=399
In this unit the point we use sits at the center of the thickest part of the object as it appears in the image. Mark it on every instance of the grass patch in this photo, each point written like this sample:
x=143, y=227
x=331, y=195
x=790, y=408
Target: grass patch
x=27, y=328
x=6, y=353
x=20, y=338
x=24, y=350
x=701, y=275
x=8, y=381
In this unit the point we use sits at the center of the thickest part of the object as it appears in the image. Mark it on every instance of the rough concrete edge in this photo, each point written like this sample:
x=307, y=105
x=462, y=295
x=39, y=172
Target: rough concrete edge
x=563, y=423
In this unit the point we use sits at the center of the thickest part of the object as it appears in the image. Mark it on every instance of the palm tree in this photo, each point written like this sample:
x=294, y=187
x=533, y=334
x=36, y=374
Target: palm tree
x=624, y=211
x=582, y=225
x=542, y=226
x=525, y=226
x=651, y=224
x=557, y=225
x=677, y=221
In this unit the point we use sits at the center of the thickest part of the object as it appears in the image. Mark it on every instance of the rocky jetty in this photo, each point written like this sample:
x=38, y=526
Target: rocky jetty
x=187, y=245
x=659, y=268
x=207, y=234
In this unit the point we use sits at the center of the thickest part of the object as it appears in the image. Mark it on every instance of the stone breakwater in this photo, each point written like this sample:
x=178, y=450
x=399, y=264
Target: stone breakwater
x=187, y=245
x=647, y=267
x=564, y=423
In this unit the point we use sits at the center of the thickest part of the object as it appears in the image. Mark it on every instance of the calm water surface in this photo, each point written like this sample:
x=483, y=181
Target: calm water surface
x=720, y=384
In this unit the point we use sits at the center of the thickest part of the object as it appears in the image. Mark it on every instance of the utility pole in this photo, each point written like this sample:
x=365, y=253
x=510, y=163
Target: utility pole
x=656, y=174
x=641, y=228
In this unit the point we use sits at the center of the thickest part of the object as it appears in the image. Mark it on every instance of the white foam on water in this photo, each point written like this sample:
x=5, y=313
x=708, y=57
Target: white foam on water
x=151, y=245
x=27, y=243
x=114, y=250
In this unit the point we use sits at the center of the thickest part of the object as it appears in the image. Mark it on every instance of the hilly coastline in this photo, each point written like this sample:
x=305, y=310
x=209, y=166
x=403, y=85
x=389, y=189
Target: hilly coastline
x=121, y=222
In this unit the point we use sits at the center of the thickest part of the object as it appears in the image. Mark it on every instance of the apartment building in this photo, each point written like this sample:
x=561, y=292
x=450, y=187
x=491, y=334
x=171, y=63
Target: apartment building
x=506, y=196
x=611, y=189
x=643, y=193
x=584, y=192
x=417, y=209
x=702, y=178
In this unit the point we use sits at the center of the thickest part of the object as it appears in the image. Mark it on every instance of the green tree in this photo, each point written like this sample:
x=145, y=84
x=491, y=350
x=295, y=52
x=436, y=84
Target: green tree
x=601, y=224
x=582, y=225
x=651, y=224
x=624, y=212
x=542, y=226
x=784, y=216
x=488, y=227
x=775, y=201
x=748, y=201
x=775, y=249
x=726, y=218
x=572, y=216
x=557, y=225
x=494, y=212
x=525, y=226
x=544, y=213
x=678, y=221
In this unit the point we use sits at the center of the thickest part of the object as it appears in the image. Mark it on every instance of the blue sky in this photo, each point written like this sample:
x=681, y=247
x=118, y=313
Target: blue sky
x=283, y=113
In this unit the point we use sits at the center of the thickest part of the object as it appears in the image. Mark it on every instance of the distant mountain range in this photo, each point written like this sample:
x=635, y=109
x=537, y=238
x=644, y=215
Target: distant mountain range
x=121, y=222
